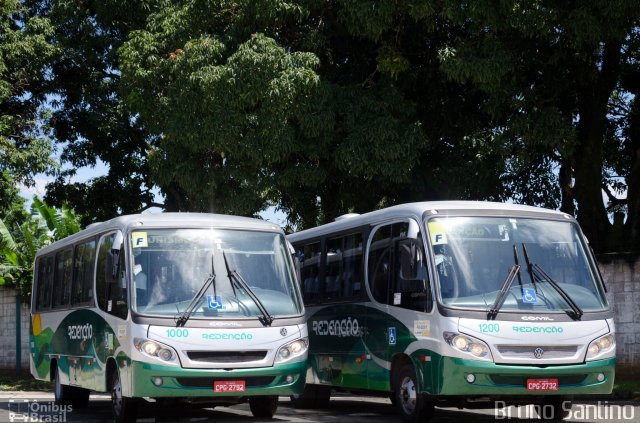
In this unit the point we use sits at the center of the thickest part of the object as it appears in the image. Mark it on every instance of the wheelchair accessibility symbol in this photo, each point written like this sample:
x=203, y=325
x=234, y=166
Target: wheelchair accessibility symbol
x=214, y=303
x=529, y=296
x=392, y=336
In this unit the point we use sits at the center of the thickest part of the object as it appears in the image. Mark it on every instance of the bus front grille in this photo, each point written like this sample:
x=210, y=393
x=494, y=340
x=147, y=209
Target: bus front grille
x=528, y=351
x=207, y=382
x=227, y=356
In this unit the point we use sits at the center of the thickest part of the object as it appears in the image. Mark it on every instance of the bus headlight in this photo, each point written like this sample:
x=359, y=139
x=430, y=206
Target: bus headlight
x=600, y=346
x=155, y=349
x=467, y=344
x=292, y=349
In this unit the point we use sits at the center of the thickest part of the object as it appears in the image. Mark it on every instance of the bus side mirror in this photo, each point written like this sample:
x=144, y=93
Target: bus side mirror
x=412, y=265
x=113, y=259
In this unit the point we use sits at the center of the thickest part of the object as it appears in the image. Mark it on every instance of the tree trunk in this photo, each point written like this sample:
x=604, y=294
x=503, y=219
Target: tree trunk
x=593, y=101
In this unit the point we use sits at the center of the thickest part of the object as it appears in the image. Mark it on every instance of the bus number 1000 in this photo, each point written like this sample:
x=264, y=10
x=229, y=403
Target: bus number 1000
x=177, y=333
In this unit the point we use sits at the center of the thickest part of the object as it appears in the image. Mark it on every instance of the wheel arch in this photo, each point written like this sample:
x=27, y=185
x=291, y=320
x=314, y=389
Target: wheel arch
x=397, y=362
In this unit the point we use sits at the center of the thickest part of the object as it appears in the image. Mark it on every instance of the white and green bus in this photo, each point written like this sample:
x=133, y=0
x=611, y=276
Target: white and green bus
x=455, y=303
x=170, y=306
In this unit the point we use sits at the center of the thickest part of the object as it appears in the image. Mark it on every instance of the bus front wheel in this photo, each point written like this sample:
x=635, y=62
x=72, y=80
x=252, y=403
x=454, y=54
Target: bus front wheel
x=263, y=407
x=410, y=403
x=124, y=409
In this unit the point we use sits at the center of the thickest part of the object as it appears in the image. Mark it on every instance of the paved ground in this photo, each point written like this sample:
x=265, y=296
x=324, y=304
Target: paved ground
x=348, y=409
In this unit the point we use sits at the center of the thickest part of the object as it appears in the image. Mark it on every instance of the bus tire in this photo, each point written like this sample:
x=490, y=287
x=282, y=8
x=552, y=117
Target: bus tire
x=410, y=403
x=263, y=407
x=124, y=409
x=63, y=394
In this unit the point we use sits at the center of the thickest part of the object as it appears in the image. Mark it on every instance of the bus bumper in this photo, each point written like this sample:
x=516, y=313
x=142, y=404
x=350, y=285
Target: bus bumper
x=181, y=382
x=449, y=376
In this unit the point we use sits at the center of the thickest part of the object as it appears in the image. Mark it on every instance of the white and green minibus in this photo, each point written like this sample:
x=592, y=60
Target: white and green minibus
x=455, y=303
x=170, y=306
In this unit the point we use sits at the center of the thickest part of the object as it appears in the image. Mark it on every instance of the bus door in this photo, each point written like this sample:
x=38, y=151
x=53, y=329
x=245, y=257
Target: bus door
x=399, y=285
x=342, y=355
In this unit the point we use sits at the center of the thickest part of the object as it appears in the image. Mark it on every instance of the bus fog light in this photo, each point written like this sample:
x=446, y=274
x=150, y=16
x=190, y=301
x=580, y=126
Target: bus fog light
x=600, y=377
x=157, y=381
x=289, y=379
x=471, y=378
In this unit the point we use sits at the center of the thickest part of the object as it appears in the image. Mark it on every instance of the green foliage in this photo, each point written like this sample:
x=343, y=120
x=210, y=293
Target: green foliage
x=20, y=241
x=90, y=120
x=25, y=52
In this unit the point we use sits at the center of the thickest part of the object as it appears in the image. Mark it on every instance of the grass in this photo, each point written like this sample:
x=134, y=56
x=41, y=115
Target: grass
x=630, y=387
x=12, y=381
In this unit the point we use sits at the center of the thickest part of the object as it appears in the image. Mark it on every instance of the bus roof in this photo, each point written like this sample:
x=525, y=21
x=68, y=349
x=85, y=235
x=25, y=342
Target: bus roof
x=167, y=220
x=418, y=209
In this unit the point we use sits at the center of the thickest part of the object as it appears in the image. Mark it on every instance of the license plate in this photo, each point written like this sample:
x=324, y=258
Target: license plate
x=228, y=386
x=542, y=384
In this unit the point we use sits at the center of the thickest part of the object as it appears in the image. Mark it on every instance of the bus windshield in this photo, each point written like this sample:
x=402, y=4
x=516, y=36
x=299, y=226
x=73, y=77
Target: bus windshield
x=170, y=266
x=538, y=263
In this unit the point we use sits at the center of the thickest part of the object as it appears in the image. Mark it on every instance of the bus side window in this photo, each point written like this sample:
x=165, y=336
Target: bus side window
x=44, y=283
x=379, y=263
x=111, y=294
x=343, y=267
x=309, y=256
x=62, y=280
x=411, y=287
x=84, y=272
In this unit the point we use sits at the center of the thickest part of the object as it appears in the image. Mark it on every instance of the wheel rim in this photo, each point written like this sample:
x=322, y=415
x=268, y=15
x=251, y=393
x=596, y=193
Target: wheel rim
x=116, y=396
x=408, y=395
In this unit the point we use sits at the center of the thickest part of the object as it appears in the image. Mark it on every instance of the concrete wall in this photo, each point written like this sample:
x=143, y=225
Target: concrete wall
x=621, y=274
x=8, y=330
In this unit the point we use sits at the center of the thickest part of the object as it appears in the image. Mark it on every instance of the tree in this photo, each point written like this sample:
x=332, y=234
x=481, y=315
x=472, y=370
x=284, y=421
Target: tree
x=552, y=73
x=25, y=52
x=90, y=120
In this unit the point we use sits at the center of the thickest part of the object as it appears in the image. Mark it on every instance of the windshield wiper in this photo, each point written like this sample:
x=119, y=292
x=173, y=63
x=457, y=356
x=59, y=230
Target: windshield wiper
x=236, y=278
x=506, y=285
x=211, y=279
x=537, y=272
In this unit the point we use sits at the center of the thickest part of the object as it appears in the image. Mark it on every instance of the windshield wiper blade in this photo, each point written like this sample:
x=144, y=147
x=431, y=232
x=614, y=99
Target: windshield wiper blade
x=506, y=285
x=211, y=279
x=529, y=267
x=266, y=319
x=565, y=296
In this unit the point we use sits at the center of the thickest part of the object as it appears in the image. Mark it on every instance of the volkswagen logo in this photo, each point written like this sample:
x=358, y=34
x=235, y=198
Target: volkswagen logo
x=538, y=353
x=283, y=332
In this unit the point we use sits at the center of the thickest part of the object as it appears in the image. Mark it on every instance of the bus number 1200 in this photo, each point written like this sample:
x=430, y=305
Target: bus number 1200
x=489, y=327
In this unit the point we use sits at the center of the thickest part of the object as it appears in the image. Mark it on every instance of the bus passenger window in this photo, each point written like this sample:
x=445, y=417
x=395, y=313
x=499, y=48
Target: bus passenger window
x=44, y=283
x=344, y=267
x=82, y=292
x=62, y=282
x=310, y=271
